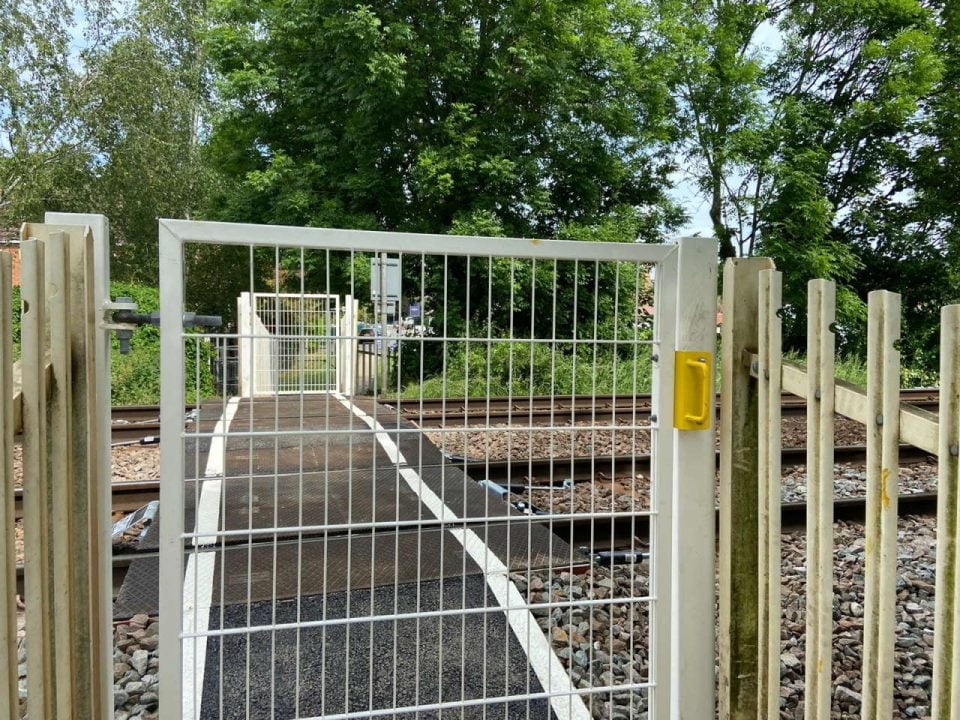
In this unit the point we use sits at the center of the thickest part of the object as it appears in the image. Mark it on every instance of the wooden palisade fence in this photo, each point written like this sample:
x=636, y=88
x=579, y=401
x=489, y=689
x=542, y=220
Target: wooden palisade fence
x=57, y=396
x=754, y=375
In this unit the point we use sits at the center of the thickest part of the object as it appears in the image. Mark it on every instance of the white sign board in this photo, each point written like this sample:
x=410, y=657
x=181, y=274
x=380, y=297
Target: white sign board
x=391, y=274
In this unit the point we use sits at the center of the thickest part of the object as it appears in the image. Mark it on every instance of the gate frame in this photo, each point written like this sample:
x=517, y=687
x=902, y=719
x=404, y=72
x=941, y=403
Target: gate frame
x=247, y=311
x=682, y=522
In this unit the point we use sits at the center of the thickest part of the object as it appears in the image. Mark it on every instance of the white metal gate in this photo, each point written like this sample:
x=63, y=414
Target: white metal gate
x=288, y=343
x=504, y=527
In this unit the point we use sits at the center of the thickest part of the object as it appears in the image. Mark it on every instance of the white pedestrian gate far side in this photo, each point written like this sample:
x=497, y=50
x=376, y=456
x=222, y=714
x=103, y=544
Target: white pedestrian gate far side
x=288, y=343
x=264, y=446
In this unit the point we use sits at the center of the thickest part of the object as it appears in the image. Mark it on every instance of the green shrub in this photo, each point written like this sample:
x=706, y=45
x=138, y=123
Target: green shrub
x=853, y=369
x=136, y=377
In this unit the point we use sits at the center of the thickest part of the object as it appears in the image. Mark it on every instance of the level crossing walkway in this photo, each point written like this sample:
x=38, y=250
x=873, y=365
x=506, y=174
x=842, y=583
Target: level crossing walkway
x=340, y=567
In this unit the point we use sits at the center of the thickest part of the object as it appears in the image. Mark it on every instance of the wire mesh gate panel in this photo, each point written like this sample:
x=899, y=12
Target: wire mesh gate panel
x=503, y=526
x=288, y=342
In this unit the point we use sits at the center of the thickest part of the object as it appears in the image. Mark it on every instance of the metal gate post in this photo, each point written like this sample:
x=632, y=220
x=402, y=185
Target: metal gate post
x=172, y=402
x=346, y=347
x=739, y=523
x=692, y=632
x=662, y=477
x=244, y=330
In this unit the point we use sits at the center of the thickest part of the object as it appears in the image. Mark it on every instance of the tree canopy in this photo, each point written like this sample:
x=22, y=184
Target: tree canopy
x=399, y=116
x=826, y=134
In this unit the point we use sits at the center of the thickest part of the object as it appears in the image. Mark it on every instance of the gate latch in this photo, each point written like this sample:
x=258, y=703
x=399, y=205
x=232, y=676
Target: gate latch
x=692, y=390
x=122, y=318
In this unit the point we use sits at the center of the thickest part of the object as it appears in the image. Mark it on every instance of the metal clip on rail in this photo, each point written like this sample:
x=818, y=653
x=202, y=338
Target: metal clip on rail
x=122, y=318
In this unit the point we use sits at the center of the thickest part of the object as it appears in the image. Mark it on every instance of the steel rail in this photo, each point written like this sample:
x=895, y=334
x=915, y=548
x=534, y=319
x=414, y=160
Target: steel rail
x=545, y=472
x=544, y=409
x=548, y=471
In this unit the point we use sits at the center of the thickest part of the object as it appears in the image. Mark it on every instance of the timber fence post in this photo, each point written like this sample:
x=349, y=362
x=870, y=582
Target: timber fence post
x=769, y=493
x=821, y=359
x=880, y=556
x=946, y=639
x=739, y=445
x=9, y=676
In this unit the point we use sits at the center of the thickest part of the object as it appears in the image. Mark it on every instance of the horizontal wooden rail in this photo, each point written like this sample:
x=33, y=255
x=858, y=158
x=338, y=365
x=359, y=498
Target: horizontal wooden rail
x=918, y=427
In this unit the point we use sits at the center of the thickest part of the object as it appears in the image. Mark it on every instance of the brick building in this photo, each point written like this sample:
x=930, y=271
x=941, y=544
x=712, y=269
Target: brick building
x=10, y=243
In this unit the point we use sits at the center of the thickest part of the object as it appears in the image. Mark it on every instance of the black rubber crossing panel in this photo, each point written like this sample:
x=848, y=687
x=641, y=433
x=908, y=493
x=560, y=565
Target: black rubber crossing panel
x=340, y=480
x=364, y=666
x=252, y=572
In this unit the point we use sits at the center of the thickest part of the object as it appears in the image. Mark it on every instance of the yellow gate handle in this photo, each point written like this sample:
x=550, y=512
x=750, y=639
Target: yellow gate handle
x=692, y=396
x=700, y=366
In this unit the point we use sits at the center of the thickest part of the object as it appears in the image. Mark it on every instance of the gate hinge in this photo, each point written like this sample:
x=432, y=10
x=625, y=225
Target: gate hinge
x=692, y=390
x=120, y=316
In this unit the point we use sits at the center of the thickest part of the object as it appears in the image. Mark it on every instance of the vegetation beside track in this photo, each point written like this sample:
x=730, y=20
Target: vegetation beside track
x=136, y=377
x=510, y=369
x=522, y=369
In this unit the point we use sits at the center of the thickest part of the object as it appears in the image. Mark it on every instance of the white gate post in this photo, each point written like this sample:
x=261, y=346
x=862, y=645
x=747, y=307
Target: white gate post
x=244, y=356
x=692, y=656
x=172, y=402
x=662, y=478
x=346, y=346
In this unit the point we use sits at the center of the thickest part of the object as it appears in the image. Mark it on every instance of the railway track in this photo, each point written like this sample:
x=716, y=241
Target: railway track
x=553, y=471
x=127, y=496
x=540, y=473
x=129, y=423
x=564, y=409
x=132, y=423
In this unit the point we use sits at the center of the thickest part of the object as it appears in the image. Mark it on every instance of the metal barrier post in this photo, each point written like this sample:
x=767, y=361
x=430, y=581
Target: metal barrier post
x=692, y=673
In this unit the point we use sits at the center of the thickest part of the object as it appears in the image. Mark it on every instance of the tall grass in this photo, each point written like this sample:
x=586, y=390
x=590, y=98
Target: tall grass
x=853, y=369
x=523, y=369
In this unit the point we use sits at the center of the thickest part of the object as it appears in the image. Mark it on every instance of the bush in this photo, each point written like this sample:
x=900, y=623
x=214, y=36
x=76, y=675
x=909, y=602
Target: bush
x=135, y=378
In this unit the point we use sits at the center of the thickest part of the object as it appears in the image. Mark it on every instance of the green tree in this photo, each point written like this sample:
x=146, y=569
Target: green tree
x=107, y=120
x=410, y=117
x=804, y=150
x=716, y=80
x=43, y=99
x=146, y=129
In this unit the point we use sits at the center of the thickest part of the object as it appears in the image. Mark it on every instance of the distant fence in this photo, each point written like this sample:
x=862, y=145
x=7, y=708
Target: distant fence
x=294, y=343
x=754, y=375
x=58, y=396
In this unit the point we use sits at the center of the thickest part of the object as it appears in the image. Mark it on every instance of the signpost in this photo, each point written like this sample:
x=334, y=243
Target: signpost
x=385, y=274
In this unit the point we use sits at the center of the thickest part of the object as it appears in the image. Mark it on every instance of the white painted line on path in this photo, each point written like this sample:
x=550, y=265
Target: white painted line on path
x=547, y=666
x=198, y=580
